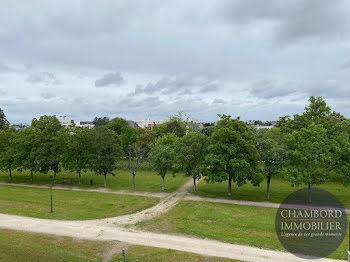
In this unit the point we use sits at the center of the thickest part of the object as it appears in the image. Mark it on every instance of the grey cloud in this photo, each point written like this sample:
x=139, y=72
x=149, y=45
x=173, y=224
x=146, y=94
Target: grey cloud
x=291, y=20
x=267, y=88
x=46, y=78
x=219, y=101
x=47, y=95
x=5, y=69
x=2, y=92
x=345, y=65
x=110, y=79
x=181, y=85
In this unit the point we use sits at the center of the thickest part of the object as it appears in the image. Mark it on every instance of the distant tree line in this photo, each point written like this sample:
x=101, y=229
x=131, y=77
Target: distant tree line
x=307, y=149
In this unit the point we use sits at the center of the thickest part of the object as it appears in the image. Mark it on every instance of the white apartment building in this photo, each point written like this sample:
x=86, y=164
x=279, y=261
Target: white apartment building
x=148, y=123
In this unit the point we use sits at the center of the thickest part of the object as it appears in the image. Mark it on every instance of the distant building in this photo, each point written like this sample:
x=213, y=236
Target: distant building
x=88, y=124
x=133, y=124
x=66, y=122
x=148, y=123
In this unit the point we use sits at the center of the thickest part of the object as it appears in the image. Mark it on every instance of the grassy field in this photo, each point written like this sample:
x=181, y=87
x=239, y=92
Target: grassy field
x=247, y=225
x=28, y=247
x=280, y=189
x=146, y=179
x=69, y=205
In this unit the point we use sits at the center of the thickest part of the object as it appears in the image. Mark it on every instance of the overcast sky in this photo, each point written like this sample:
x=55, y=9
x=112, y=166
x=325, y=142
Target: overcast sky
x=149, y=59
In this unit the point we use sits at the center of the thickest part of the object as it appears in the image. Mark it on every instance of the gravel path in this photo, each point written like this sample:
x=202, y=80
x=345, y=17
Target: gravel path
x=92, y=231
x=110, y=229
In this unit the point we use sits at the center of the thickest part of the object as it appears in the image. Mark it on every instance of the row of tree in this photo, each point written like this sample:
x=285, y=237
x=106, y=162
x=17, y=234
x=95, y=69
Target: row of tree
x=308, y=149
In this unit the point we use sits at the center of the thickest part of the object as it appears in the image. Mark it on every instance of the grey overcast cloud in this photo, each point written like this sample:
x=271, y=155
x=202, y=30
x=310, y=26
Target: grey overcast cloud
x=139, y=59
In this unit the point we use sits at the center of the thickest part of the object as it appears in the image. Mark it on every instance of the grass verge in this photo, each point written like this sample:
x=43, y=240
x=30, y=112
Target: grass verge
x=69, y=205
x=280, y=189
x=28, y=247
x=246, y=225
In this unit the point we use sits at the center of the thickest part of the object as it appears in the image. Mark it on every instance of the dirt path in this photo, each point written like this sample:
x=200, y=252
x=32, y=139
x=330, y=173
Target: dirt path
x=99, y=190
x=162, y=207
x=89, y=230
x=238, y=202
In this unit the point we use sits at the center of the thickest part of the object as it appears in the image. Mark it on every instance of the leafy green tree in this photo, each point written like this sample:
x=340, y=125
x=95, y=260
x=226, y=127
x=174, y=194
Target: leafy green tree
x=146, y=138
x=309, y=157
x=176, y=125
x=24, y=146
x=232, y=154
x=190, y=152
x=100, y=121
x=106, y=149
x=7, y=151
x=3, y=120
x=135, y=159
x=117, y=124
x=77, y=150
x=272, y=152
x=162, y=156
x=128, y=137
x=48, y=144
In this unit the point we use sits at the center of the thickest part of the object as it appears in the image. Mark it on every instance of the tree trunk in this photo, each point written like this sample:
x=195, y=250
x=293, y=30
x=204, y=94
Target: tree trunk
x=79, y=177
x=194, y=185
x=162, y=183
x=268, y=186
x=229, y=186
x=105, y=179
x=133, y=180
x=31, y=175
x=10, y=174
x=310, y=200
x=54, y=177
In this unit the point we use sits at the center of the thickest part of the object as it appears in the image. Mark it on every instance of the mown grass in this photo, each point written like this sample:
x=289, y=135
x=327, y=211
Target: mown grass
x=67, y=204
x=246, y=225
x=18, y=246
x=146, y=179
x=279, y=190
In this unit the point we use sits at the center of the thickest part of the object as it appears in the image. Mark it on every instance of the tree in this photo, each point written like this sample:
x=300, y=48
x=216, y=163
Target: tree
x=190, y=152
x=77, y=150
x=24, y=146
x=105, y=151
x=272, y=153
x=128, y=137
x=100, y=121
x=7, y=150
x=146, y=138
x=232, y=154
x=48, y=144
x=162, y=155
x=135, y=159
x=3, y=120
x=176, y=125
x=309, y=157
x=117, y=124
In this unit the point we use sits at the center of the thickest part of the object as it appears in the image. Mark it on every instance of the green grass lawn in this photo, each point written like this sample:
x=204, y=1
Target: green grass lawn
x=146, y=179
x=247, y=225
x=279, y=190
x=69, y=205
x=28, y=247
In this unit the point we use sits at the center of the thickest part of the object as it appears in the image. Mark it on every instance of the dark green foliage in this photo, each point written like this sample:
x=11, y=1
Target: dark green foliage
x=162, y=156
x=7, y=150
x=100, y=121
x=106, y=149
x=190, y=152
x=232, y=154
x=117, y=124
x=272, y=152
x=3, y=120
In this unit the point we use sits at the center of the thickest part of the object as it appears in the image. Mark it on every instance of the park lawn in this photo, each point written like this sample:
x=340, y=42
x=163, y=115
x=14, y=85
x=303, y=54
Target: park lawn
x=279, y=190
x=18, y=246
x=146, y=179
x=69, y=205
x=246, y=225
